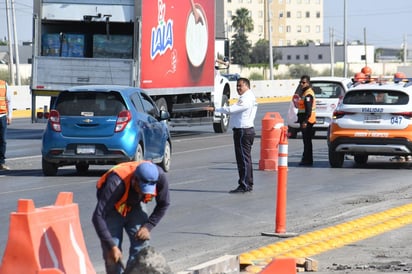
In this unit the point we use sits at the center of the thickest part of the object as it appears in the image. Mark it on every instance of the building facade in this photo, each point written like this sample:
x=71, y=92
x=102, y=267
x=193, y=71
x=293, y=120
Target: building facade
x=290, y=21
x=321, y=54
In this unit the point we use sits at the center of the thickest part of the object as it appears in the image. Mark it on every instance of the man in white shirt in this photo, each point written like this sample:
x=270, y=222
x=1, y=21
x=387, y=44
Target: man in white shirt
x=242, y=117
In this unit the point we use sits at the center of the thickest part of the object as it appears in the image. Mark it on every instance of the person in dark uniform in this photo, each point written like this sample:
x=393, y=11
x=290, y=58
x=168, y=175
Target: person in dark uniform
x=306, y=119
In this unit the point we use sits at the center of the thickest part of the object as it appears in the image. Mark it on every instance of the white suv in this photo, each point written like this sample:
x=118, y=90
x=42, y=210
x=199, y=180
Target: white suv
x=372, y=119
x=329, y=91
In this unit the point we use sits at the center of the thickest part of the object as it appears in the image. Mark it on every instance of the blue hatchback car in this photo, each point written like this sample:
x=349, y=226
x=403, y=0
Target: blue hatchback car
x=104, y=125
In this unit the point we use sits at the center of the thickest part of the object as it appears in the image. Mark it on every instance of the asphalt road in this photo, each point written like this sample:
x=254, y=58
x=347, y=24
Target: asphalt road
x=205, y=222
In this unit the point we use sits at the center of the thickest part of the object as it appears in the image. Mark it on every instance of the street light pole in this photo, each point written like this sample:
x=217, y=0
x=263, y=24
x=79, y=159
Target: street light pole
x=270, y=41
x=9, y=39
x=16, y=44
x=345, y=46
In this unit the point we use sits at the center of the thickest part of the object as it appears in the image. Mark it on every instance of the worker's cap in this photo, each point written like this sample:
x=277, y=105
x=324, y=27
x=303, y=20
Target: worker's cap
x=147, y=175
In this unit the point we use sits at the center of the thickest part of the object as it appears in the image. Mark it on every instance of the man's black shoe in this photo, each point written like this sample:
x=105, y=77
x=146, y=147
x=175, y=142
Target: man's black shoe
x=239, y=190
x=303, y=163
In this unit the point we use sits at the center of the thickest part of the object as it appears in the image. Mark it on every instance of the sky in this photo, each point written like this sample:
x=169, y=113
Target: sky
x=384, y=23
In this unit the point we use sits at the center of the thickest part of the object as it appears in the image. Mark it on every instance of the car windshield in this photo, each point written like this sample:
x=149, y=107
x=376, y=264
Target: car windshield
x=376, y=97
x=327, y=90
x=89, y=103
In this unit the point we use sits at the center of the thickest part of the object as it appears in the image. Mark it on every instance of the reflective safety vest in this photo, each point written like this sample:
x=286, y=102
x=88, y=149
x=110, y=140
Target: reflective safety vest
x=301, y=105
x=126, y=172
x=3, y=97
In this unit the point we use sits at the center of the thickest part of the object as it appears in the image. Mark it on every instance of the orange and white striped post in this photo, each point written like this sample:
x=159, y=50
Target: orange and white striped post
x=280, y=229
x=282, y=181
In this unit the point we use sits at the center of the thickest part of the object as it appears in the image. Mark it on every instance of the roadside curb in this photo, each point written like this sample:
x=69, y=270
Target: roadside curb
x=228, y=264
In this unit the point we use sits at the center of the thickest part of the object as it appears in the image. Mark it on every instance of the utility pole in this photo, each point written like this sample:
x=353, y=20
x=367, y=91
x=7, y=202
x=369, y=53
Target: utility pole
x=345, y=43
x=332, y=52
x=16, y=44
x=9, y=39
x=405, y=50
x=270, y=40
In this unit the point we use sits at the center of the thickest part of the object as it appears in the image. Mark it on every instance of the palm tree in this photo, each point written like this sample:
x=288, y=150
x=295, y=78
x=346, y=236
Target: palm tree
x=242, y=21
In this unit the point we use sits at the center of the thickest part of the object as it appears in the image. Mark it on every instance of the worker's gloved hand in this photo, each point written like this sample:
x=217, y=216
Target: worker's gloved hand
x=143, y=233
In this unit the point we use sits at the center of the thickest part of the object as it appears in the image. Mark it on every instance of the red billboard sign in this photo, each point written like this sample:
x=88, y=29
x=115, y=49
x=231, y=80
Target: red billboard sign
x=177, y=43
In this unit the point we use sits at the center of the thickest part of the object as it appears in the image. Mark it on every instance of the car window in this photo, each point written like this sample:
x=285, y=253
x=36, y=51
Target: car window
x=137, y=102
x=89, y=103
x=376, y=97
x=148, y=105
x=327, y=89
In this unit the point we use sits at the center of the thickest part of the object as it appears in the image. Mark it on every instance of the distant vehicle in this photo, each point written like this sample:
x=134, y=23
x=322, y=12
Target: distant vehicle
x=167, y=48
x=232, y=77
x=329, y=91
x=104, y=125
x=373, y=119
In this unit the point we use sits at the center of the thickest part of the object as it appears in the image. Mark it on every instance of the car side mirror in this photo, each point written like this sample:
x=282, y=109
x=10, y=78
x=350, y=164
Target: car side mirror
x=164, y=115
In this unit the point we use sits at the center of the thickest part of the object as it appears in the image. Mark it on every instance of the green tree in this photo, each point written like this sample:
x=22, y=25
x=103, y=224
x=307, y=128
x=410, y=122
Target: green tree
x=296, y=71
x=242, y=23
x=260, y=52
x=240, y=49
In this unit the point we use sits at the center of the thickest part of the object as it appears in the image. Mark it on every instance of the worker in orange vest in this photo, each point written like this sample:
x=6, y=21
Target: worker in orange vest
x=5, y=120
x=122, y=194
x=306, y=119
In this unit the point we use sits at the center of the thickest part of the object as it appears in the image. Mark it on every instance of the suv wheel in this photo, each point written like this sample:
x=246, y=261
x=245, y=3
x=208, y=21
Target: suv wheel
x=336, y=158
x=165, y=164
x=49, y=169
x=360, y=159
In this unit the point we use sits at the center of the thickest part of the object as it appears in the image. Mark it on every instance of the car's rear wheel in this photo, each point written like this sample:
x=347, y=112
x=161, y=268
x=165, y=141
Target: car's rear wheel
x=167, y=156
x=336, y=158
x=49, y=169
x=360, y=159
x=82, y=168
x=139, y=156
x=223, y=124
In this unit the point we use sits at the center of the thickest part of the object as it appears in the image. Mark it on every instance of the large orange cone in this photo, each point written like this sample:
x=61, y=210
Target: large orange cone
x=46, y=240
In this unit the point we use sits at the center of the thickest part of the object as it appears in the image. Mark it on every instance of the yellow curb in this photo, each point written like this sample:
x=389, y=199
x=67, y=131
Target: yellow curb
x=26, y=113
x=333, y=237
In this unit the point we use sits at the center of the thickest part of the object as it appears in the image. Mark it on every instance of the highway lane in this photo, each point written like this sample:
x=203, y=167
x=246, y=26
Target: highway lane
x=204, y=221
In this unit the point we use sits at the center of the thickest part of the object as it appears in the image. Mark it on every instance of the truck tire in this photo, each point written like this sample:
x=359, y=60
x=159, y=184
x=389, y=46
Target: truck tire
x=49, y=169
x=165, y=164
x=161, y=104
x=223, y=124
